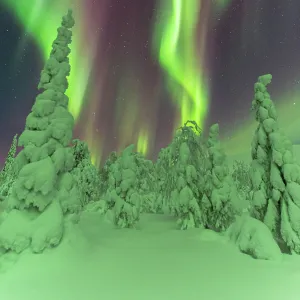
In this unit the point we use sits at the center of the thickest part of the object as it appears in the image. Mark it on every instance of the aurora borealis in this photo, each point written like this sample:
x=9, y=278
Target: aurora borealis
x=142, y=68
x=175, y=38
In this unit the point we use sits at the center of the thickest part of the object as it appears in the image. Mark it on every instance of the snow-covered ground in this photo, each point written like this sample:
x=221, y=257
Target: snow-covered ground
x=153, y=262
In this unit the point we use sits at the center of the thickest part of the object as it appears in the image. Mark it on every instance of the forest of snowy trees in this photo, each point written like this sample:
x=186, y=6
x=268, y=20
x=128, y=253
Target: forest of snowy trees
x=256, y=206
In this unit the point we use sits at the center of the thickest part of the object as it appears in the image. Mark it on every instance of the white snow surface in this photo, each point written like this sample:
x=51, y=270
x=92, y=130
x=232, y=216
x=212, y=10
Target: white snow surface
x=153, y=262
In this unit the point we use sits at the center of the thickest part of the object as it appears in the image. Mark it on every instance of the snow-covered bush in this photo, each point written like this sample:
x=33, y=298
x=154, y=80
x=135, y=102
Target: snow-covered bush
x=44, y=188
x=253, y=237
x=9, y=172
x=220, y=202
x=275, y=177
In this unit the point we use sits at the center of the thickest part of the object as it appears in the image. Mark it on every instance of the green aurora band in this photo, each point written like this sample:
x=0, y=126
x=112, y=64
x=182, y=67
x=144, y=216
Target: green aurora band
x=41, y=20
x=142, y=142
x=175, y=47
x=174, y=43
x=127, y=113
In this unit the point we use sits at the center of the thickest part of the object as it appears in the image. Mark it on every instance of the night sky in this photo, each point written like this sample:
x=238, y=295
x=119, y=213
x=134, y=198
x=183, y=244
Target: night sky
x=141, y=68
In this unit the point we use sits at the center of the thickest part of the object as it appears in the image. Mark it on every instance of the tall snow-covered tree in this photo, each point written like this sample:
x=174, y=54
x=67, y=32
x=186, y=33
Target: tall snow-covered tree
x=220, y=201
x=8, y=173
x=275, y=177
x=44, y=189
x=184, y=181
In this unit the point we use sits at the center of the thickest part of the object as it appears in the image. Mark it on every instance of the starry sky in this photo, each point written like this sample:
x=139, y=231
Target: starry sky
x=140, y=69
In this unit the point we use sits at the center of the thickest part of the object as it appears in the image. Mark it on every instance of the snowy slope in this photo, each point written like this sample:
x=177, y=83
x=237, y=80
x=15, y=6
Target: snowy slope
x=155, y=261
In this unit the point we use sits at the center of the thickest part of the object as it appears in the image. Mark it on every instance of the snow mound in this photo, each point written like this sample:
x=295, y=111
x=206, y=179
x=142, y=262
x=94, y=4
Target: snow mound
x=15, y=232
x=253, y=237
x=19, y=230
x=49, y=227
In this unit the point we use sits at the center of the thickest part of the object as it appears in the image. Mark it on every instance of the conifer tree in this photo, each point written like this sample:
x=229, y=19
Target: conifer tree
x=275, y=177
x=85, y=173
x=184, y=182
x=122, y=196
x=219, y=203
x=44, y=189
x=8, y=173
x=145, y=180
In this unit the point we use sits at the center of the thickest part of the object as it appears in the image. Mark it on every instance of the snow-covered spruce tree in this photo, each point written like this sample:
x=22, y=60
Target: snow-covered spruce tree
x=44, y=189
x=219, y=204
x=145, y=182
x=184, y=182
x=85, y=173
x=275, y=177
x=122, y=195
x=8, y=173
